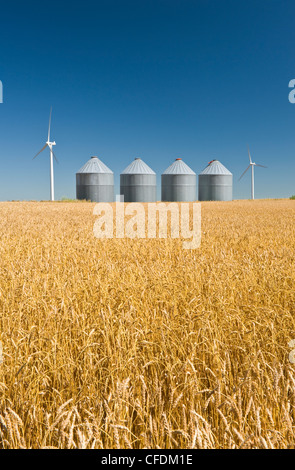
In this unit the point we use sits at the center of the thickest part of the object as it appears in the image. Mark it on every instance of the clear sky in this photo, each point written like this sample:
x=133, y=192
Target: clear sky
x=158, y=79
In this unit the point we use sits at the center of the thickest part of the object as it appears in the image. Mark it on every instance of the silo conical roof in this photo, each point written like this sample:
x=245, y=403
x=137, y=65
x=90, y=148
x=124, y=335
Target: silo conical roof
x=178, y=167
x=215, y=168
x=138, y=167
x=95, y=165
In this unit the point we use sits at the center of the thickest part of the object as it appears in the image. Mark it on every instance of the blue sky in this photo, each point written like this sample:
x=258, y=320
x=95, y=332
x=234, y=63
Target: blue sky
x=158, y=79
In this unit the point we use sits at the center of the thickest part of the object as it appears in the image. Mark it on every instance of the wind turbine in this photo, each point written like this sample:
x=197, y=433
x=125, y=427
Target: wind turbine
x=50, y=144
x=252, y=164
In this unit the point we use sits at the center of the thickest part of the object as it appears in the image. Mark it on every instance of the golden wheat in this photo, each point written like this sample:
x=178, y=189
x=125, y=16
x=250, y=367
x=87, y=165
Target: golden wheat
x=126, y=343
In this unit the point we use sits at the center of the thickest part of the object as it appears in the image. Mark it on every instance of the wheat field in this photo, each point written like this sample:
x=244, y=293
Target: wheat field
x=140, y=343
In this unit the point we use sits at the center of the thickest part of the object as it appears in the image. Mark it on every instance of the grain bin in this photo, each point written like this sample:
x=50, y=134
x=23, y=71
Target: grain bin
x=179, y=182
x=138, y=182
x=95, y=182
x=215, y=183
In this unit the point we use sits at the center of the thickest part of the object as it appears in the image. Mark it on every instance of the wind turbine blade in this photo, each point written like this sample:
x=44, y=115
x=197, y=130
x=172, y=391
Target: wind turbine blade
x=244, y=172
x=40, y=151
x=49, y=124
x=262, y=166
x=249, y=154
x=54, y=156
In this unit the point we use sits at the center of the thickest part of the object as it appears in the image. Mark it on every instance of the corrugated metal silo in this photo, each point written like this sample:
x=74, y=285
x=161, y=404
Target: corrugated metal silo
x=95, y=182
x=179, y=182
x=138, y=182
x=215, y=183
